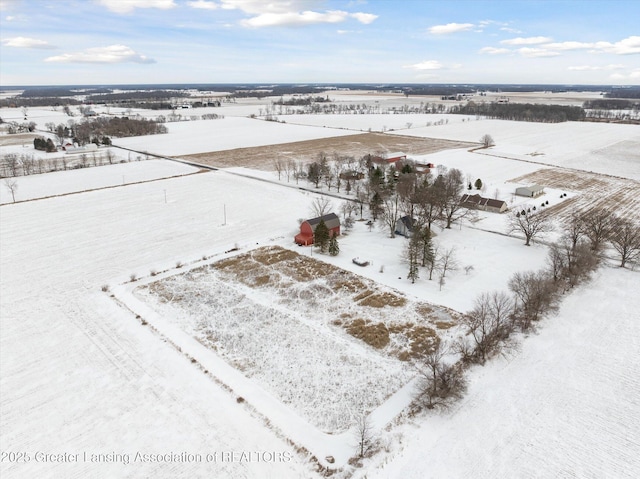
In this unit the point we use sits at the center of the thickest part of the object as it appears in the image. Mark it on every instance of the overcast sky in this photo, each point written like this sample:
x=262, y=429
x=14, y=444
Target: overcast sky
x=56, y=42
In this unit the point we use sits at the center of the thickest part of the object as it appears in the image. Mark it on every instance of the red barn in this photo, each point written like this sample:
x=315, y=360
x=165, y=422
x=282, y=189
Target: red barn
x=307, y=228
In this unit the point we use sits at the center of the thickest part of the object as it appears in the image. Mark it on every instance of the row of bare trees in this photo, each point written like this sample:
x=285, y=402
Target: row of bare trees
x=489, y=326
x=13, y=165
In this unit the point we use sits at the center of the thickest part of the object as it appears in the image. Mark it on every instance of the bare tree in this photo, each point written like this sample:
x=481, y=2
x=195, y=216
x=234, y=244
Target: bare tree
x=556, y=261
x=390, y=212
x=529, y=224
x=278, y=165
x=535, y=296
x=597, y=225
x=448, y=189
x=625, y=239
x=487, y=141
x=446, y=261
x=489, y=322
x=321, y=206
x=12, y=186
x=575, y=229
x=364, y=435
x=439, y=383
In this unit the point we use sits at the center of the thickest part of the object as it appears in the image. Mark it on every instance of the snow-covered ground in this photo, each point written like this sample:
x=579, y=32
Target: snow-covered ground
x=599, y=147
x=72, y=181
x=82, y=375
x=190, y=137
x=565, y=405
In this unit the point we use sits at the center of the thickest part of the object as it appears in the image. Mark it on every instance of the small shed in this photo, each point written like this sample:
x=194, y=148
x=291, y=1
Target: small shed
x=485, y=204
x=405, y=225
x=530, y=191
x=308, y=227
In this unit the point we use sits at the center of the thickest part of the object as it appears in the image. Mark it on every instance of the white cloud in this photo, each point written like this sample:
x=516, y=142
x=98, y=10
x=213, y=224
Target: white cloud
x=634, y=75
x=204, y=5
x=510, y=30
x=295, y=19
x=628, y=46
x=365, y=18
x=450, y=28
x=24, y=42
x=582, y=68
x=526, y=41
x=126, y=6
x=494, y=51
x=110, y=54
x=426, y=65
x=536, y=52
x=289, y=13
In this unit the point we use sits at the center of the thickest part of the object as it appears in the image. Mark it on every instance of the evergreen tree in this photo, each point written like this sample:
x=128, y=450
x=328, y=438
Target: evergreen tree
x=427, y=254
x=321, y=236
x=375, y=206
x=334, y=248
x=478, y=184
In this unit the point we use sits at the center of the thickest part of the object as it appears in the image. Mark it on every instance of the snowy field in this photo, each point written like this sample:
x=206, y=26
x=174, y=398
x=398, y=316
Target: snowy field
x=190, y=137
x=82, y=375
x=402, y=123
x=565, y=405
x=72, y=181
x=599, y=147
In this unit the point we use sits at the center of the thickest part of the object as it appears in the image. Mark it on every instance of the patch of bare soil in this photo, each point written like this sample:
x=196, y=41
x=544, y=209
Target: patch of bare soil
x=358, y=145
x=597, y=191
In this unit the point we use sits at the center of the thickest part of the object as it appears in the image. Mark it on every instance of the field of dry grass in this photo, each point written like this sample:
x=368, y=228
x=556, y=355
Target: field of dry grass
x=412, y=328
x=357, y=145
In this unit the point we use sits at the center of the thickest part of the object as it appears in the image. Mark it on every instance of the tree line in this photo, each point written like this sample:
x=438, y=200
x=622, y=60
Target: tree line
x=496, y=316
x=521, y=111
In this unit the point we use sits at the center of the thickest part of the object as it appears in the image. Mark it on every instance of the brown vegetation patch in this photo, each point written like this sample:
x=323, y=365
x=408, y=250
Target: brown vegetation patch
x=374, y=334
x=356, y=145
x=444, y=324
x=269, y=256
x=380, y=300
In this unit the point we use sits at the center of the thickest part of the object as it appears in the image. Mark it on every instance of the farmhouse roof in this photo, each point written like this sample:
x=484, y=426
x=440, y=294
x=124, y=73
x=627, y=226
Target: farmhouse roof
x=408, y=222
x=331, y=220
x=394, y=154
x=478, y=200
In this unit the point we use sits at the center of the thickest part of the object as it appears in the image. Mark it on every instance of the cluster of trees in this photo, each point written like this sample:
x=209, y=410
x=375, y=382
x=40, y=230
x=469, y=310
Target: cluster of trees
x=521, y=111
x=611, y=104
x=302, y=100
x=99, y=130
x=490, y=325
x=42, y=144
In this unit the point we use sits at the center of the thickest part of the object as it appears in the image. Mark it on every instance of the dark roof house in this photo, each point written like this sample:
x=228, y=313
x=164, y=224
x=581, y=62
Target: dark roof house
x=485, y=204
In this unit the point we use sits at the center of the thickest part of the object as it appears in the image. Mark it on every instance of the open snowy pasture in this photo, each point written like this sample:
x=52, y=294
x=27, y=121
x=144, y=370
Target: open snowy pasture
x=564, y=405
x=190, y=137
x=79, y=373
x=607, y=148
x=73, y=181
x=375, y=122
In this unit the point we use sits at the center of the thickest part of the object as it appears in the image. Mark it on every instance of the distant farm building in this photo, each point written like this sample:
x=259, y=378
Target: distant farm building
x=352, y=175
x=530, y=191
x=485, y=204
x=308, y=227
x=405, y=225
x=395, y=156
